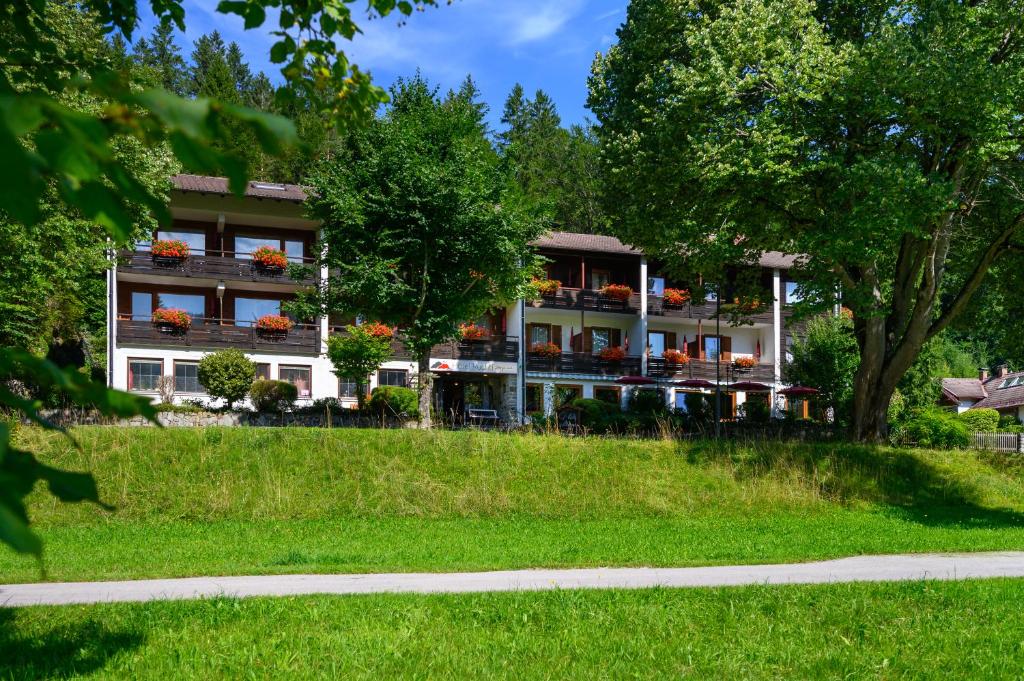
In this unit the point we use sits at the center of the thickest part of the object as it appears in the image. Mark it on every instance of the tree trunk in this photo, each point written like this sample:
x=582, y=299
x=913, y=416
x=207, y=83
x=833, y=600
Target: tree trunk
x=426, y=388
x=881, y=367
x=361, y=396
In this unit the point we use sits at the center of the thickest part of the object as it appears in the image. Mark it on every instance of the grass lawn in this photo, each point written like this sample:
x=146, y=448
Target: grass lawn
x=909, y=630
x=248, y=501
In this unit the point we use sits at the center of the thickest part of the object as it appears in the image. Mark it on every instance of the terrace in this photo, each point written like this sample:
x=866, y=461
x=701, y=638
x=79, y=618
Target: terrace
x=204, y=264
x=582, y=363
x=215, y=334
x=706, y=369
x=494, y=348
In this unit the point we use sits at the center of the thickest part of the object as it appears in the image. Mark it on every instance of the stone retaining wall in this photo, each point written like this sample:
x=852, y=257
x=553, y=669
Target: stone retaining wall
x=70, y=418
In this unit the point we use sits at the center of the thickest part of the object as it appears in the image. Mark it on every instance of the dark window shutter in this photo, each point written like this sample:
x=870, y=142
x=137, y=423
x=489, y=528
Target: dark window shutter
x=616, y=338
x=556, y=335
x=529, y=336
x=726, y=348
x=670, y=340
x=588, y=339
x=693, y=349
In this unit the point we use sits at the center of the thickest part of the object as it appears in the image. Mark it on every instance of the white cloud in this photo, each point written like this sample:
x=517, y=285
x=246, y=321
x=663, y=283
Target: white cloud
x=526, y=25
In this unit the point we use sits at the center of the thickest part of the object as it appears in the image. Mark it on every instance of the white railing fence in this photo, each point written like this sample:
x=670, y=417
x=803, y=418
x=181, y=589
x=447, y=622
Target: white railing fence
x=998, y=442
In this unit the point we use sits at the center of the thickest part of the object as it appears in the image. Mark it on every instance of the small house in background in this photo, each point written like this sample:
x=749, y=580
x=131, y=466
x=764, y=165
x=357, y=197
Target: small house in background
x=1002, y=391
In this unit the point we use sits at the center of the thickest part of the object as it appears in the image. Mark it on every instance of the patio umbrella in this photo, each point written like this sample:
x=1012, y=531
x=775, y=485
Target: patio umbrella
x=750, y=387
x=799, y=391
x=694, y=383
x=635, y=380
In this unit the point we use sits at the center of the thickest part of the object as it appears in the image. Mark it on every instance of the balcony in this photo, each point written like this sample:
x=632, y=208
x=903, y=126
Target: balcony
x=216, y=334
x=211, y=265
x=657, y=367
x=582, y=363
x=706, y=310
x=589, y=300
x=492, y=349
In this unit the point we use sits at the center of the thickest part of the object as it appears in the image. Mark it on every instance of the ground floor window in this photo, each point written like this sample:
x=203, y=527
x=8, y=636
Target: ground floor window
x=347, y=388
x=262, y=371
x=534, y=398
x=300, y=377
x=186, y=378
x=608, y=394
x=144, y=374
x=564, y=394
x=394, y=377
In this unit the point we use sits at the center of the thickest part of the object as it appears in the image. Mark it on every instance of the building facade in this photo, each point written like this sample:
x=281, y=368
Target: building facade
x=609, y=318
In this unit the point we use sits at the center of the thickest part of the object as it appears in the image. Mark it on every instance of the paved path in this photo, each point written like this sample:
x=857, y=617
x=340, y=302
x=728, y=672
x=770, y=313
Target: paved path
x=949, y=566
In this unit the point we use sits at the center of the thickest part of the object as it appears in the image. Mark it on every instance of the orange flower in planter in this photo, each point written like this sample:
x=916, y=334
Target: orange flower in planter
x=612, y=354
x=547, y=287
x=274, y=322
x=265, y=256
x=744, y=362
x=546, y=350
x=179, y=319
x=616, y=292
x=378, y=330
x=472, y=332
x=675, y=357
x=169, y=248
x=675, y=296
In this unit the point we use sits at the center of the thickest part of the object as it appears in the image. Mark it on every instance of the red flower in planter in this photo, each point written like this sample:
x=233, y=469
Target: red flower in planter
x=616, y=292
x=675, y=357
x=274, y=322
x=169, y=248
x=675, y=296
x=179, y=319
x=744, y=362
x=378, y=330
x=473, y=332
x=265, y=256
x=546, y=350
x=547, y=287
x=612, y=354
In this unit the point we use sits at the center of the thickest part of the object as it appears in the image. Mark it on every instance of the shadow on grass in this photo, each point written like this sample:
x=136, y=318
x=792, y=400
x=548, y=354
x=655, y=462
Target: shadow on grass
x=63, y=651
x=903, y=480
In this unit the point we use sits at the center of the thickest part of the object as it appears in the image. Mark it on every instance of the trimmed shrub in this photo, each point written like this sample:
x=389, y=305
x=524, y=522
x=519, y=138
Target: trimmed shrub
x=980, y=420
x=392, y=400
x=599, y=416
x=756, y=411
x=273, y=395
x=934, y=427
x=227, y=374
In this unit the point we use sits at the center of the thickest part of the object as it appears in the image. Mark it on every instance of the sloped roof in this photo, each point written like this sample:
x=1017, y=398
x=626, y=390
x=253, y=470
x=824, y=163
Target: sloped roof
x=1003, y=398
x=595, y=243
x=205, y=184
x=964, y=389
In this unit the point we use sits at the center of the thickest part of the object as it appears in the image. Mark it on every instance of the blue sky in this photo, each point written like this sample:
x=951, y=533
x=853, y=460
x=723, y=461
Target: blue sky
x=546, y=44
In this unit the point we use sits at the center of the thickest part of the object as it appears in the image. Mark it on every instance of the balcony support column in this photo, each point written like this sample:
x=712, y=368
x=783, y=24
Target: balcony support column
x=641, y=323
x=776, y=335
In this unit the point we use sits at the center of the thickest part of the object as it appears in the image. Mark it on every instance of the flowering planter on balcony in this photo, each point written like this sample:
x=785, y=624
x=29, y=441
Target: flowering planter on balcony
x=612, y=354
x=742, y=364
x=169, y=252
x=472, y=332
x=269, y=260
x=618, y=292
x=675, y=297
x=675, y=359
x=546, y=350
x=171, y=321
x=273, y=327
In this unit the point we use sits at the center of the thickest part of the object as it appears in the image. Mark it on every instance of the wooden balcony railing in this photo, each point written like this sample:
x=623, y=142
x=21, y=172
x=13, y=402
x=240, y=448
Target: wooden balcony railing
x=582, y=363
x=212, y=265
x=705, y=310
x=587, y=299
x=220, y=333
x=493, y=349
x=657, y=367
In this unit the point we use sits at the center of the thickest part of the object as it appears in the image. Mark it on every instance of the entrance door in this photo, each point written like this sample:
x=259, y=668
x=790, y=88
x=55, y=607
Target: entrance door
x=450, y=392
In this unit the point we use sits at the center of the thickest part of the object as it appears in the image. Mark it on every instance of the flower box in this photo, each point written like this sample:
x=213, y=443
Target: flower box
x=171, y=320
x=472, y=332
x=168, y=252
x=744, y=363
x=675, y=297
x=270, y=260
x=547, y=287
x=612, y=354
x=548, y=350
x=675, y=357
x=378, y=330
x=273, y=327
x=619, y=292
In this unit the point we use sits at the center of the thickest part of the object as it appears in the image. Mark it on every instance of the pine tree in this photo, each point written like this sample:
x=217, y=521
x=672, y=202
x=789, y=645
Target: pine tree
x=161, y=57
x=211, y=75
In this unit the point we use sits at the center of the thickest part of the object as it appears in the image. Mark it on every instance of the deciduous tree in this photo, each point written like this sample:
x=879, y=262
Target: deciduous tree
x=356, y=355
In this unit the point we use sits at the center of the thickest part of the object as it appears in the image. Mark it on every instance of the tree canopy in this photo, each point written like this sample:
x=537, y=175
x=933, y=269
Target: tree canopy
x=882, y=140
x=422, y=227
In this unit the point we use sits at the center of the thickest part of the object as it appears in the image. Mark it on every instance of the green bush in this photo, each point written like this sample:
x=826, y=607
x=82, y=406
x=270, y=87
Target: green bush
x=756, y=411
x=392, y=400
x=273, y=395
x=934, y=427
x=184, y=408
x=1007, y=421
x=980, y=420
x=599, y=416
x=227, y=374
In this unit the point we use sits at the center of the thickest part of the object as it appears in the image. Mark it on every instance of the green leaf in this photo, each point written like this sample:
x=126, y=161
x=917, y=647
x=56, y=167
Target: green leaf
x=69, y=486
x=15, y=532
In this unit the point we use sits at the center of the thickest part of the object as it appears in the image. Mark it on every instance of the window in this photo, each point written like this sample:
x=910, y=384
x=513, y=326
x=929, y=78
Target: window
x=534, y=398
x=347, y=388
x=248, y=310
x=655, y=286
x=263, y=371
x=712, y=348
x=564, y=394
x=142, y=306
x=656, y=342
x=609, y=395
x=600, y=339
x=540, y=334
x=295, y=249
x=186, y=378
x=300, y=377
x=599, y=279
x=196, y=240
x=792, y=293
x=144, y=374
x=395, y=377
x=192, y=303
